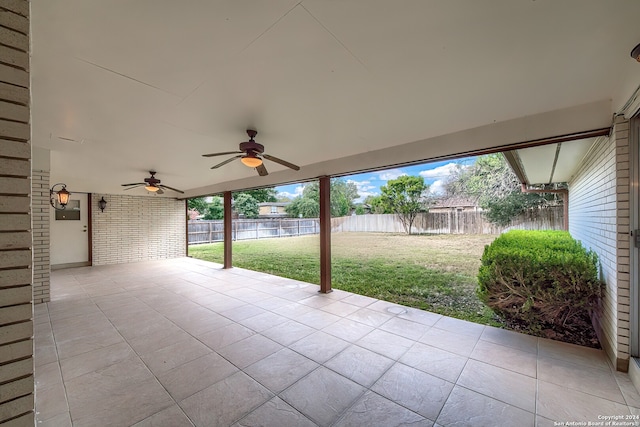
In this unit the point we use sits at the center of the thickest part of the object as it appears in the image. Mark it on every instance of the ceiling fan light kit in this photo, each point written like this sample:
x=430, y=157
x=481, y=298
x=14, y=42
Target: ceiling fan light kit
x=251, y=161
x=152, y=184
x=249, y=154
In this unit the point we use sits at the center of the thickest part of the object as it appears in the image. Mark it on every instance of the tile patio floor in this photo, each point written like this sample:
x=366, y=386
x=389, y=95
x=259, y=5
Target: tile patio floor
x=183, y=342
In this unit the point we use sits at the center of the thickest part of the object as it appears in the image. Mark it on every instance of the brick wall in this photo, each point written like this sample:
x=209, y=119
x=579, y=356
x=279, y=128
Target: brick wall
x=599, y=218
x=40, y=208
x=623, y=190
x=137, y=228
x=16, y=308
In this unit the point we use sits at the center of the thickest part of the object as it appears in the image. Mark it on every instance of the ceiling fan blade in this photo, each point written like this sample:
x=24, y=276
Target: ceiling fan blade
x=221, y=154
x=282, y=162
x=160, y=191
x=135, y=186
x=171, y=188
x=226, y=161
x=135, y=183
x=262, y=171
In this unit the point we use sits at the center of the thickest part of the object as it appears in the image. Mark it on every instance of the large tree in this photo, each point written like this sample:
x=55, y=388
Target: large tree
x=198, y=204
x=488, y=178
x=303, y=207
x=307, y=205
x=377, y=205
x=260, y=195
x=406, y=196
x=497, y=189
x=245, y=204
x=215, y=209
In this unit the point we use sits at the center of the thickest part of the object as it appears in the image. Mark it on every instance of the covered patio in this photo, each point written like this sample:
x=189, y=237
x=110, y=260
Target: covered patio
x=184, y=342
x=97, y=96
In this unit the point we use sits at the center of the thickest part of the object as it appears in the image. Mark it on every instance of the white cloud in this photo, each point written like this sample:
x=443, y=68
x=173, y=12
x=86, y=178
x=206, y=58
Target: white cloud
x=364, y=189
x=361, y=185
x=296, y=192
x=439, y=172
x=391, y=174
x=437, y=187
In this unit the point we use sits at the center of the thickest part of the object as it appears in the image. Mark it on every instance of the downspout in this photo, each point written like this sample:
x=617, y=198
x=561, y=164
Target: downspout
x=565, y=201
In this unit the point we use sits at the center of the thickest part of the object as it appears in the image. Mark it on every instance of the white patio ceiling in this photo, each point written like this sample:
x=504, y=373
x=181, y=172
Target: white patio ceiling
x=120, y=87
x=551, y=163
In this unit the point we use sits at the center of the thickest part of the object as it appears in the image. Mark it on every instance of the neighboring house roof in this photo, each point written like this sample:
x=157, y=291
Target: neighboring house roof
x=282, y=204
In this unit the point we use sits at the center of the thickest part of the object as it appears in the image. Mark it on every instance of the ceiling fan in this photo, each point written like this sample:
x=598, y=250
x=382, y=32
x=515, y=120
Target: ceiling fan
x=151, y=184
x=250, y=154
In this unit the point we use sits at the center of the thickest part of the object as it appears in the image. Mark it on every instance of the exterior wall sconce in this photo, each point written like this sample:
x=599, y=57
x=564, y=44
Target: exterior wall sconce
x=102, y=203
x=635, y=53
x=62, y=196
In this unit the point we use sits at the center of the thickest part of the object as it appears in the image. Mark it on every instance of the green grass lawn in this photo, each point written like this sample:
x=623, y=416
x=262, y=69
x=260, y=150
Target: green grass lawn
x=435, y=273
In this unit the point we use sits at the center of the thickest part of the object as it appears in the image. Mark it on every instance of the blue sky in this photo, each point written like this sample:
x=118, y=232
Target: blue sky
x=369, y=183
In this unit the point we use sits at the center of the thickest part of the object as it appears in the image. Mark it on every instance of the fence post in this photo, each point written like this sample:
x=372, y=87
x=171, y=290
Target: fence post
x=457, y=221
x=298, y=222
x=210, y=233
x=228, y=221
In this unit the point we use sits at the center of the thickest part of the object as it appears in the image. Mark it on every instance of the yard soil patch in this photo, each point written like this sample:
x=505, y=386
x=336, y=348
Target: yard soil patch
x=580, y=332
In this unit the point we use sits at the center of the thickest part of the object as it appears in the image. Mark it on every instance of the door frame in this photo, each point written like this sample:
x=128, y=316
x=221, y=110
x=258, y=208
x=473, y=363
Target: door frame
x=89, y=261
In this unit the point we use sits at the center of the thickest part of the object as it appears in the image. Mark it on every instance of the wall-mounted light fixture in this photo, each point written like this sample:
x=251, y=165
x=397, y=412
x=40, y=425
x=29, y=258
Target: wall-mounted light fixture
x=635, y=53
x=102, y=203
x=61, y=195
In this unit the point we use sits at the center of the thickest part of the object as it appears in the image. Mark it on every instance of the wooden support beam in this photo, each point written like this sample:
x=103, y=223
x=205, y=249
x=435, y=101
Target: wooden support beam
x=228, y=242
x=325, y=234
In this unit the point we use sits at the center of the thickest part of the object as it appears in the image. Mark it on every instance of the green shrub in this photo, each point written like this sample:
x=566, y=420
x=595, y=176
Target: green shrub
x=540, y=281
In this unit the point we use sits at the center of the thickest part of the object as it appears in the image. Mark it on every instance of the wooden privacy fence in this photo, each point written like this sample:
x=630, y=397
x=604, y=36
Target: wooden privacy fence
x=452, y=222
x=244, y=229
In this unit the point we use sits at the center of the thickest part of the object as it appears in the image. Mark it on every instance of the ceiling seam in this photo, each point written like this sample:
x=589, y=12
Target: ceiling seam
x=128, y=77
x=271, y=26
x=344, y=46
x=244, y=48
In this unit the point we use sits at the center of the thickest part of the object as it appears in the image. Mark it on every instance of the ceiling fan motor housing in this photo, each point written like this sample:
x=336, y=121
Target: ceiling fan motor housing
x=152, y=180
x=251, y=146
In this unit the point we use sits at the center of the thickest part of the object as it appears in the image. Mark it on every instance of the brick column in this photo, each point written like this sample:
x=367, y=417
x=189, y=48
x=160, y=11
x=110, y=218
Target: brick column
x=621, y=135
x=40, y=228
x=16, y=307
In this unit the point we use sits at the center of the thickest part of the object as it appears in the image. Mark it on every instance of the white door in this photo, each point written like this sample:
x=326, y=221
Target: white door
x=70, y=233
